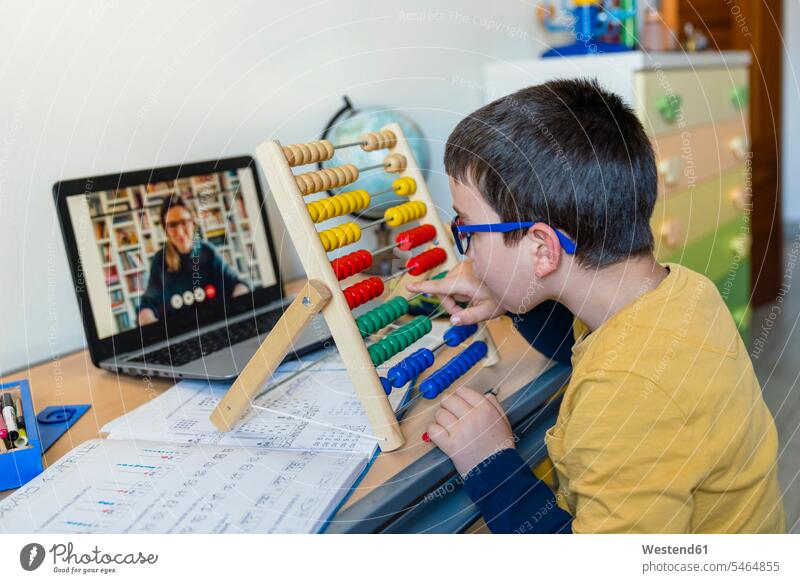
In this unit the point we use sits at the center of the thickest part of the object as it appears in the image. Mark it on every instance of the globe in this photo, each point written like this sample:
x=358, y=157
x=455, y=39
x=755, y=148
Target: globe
x=373, y=119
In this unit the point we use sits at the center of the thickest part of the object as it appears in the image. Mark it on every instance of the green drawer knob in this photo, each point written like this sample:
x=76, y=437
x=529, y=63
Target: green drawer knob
x=740, y=96
x=741, y=316
x=669, y=106
x=741, y=245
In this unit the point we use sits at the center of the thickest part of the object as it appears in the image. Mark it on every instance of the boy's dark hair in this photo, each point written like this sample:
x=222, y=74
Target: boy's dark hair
x=568, y=153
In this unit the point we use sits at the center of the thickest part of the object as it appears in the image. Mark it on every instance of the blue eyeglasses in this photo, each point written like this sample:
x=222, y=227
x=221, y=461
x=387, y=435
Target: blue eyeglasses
x=463, y=233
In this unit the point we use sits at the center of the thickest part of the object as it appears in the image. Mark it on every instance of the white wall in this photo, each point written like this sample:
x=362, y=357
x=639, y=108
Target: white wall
x=790, y=181
x=96, y=87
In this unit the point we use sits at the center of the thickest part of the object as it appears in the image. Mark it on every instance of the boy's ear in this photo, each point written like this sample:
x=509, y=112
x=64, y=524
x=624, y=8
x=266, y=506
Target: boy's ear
x=546, y=248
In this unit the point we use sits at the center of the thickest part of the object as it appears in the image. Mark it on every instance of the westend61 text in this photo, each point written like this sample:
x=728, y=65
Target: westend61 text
x=675, y=550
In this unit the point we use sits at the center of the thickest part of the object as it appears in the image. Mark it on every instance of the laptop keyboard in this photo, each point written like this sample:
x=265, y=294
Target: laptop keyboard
x=186, y=351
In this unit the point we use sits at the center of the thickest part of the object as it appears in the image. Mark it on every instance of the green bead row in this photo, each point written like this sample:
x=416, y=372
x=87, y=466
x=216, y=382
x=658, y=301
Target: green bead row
x=382, y=316
x=399, y=340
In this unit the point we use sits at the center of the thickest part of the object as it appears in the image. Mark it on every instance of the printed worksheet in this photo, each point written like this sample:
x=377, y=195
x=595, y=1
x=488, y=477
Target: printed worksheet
x=110, y=486
x=316, y=409
x=307, y=413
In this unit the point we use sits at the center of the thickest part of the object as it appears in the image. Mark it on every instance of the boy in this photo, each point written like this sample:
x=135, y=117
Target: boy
x=662, y=427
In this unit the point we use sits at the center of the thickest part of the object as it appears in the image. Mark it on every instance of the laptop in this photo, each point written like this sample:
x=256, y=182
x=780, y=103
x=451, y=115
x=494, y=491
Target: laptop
x=175, y=269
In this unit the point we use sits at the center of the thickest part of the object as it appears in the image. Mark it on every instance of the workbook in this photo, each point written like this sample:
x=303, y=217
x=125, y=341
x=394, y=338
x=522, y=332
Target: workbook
x=163, y=468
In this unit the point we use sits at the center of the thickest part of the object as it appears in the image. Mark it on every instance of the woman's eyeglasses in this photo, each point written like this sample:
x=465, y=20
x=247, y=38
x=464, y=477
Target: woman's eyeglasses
x=186, y=223
x=463, y=233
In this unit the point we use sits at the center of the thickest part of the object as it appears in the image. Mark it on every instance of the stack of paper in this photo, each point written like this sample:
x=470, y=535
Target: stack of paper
x=163, y=468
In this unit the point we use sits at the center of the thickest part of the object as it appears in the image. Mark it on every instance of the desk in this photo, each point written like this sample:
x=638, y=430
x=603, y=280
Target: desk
x=394, y=479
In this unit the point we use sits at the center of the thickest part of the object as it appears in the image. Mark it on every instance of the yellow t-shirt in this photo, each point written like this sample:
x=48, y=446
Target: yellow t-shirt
x=663, y=428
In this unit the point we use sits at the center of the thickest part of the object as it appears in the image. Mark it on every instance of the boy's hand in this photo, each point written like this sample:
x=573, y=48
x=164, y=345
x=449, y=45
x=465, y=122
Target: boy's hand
x=461, y=285
x=469, y=427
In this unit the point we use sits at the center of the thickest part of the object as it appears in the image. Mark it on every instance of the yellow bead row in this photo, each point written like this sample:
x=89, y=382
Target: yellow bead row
x=340, y=236
x=404, y=186
x=405, y=213
x=336, y=206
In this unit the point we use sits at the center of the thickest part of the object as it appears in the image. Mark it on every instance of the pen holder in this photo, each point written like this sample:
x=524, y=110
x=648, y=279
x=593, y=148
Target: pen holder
x=18, y=465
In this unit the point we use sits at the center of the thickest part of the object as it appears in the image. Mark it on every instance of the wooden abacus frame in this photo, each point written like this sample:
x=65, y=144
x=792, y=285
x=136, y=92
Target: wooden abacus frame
x=323, y=293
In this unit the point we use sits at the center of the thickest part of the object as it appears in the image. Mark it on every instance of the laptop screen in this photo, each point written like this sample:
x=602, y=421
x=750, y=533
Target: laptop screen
x=166, y=249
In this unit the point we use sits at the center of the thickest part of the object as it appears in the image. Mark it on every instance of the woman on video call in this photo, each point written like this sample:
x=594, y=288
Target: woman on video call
x=186, y=270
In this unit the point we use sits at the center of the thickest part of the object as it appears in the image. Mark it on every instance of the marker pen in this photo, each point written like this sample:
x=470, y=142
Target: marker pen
x=10, y=417
x=22, y=439
x=20, y=413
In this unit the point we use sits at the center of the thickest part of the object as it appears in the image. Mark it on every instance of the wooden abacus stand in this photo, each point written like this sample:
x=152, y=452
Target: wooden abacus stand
x=323, y=294
x=309, y=302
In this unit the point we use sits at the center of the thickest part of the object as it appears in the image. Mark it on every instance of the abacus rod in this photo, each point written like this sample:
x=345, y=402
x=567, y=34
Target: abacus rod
x=437, y=313
x=382, y=191
x=373, y=224
x=373, y=167
x=396, y=274
x=408, y=404
x=349, y=145
x=382, y=249
x=393, y=245
x=438, y=346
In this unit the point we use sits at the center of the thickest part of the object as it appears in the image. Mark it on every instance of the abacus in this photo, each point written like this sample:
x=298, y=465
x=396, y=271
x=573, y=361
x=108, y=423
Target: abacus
x=324, y=292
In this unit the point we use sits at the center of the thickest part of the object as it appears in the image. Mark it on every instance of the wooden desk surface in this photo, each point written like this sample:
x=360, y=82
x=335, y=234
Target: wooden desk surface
x=73, y=379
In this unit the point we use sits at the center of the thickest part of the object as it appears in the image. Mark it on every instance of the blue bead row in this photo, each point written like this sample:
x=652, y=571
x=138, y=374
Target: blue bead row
x=455, y=368
x=411, y=366
x=457, y=334
x=387, y=386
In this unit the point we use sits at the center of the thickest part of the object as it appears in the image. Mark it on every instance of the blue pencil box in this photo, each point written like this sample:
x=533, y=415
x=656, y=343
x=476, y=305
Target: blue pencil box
x=19, y=465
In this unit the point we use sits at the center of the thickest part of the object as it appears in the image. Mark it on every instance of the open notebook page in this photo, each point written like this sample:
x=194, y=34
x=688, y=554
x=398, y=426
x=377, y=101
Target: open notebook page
x=110, y=486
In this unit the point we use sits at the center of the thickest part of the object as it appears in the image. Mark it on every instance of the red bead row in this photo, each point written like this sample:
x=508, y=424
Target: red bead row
x=363, y=291
x=352, y=263
x=426, y=261
x=415, y=237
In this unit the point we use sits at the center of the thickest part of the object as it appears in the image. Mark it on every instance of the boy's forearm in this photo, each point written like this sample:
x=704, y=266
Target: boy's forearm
x=512, y=500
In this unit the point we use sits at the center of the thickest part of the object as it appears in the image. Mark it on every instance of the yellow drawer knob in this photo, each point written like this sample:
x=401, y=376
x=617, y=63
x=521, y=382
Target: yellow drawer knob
x=739, y=147
x=739, y=197
x=672, y=233
x=670, y=170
